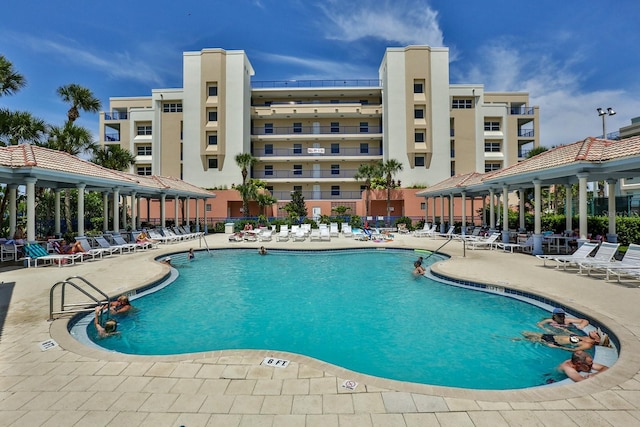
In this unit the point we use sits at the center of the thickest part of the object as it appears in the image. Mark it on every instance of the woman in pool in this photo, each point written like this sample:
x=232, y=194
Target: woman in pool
x=110, y=326
x=570, y=342
x=559, y=320
x=418, y=268
x=121, y=305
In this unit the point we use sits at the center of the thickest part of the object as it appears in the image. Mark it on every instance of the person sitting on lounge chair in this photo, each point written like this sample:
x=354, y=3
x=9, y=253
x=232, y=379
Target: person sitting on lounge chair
x=143, y=237
x=559, y=320
x=570, y=342
x=74, y=248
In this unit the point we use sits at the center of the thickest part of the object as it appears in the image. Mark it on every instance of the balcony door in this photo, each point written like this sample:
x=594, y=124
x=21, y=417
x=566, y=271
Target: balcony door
x=316, y=127
x=317, y=194
x=316, y=170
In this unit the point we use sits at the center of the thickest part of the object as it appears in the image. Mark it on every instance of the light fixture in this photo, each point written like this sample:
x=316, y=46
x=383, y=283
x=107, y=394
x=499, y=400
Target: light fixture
x=604, y=113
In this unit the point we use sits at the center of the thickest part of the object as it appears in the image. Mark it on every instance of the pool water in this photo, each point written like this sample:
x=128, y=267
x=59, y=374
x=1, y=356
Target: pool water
x=359, y=309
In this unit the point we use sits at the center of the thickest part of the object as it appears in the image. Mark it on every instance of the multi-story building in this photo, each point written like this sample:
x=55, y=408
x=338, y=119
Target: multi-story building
x=313, y=135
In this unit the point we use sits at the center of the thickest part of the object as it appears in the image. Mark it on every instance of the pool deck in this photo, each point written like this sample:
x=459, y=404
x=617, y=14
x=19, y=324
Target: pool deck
x=72, y=384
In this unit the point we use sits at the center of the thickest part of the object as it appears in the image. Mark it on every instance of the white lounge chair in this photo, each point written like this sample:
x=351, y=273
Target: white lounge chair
x=315, y=235
x=581, y=253
x=603, y=256
x=629, y=265
x=119, y=240
x=36, y=254
x=283, y=235
x=90, y=251
x=153, y=234
x=524, y=246
x=265, y=235
x=115, y=249
x=333, y=230
x=299, y=235
x=346, y=230
x=427, y=230
x=448, y=235
x=490, y=242
x=325, y=233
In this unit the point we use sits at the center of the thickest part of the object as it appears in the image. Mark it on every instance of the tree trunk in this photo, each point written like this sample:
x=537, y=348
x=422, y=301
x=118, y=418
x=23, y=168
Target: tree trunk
x=67, y=210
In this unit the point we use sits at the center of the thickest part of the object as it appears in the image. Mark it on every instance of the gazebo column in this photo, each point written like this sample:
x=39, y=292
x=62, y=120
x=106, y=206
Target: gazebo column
x=134, y=210
x=568, y=209
x=463, y=231
x=492, y=216
x=163, y=199
x=537, y=227
x=13, y=209
x=176, y=218
x=81, y=187
x=441, y=213
x=149, y=208
x=31, y=208
x=138, y=221
x=105, y=212
x=473, y=211
x=56, y=212
x=197, y=216
x=521, y=209
x=484, y=211
x=204, y=216
x=188, y=210
x=582, y=206
x=505, y=213
x=433, y=214
x=451, y=203
x=125, y=208
x=116, y=208
x=612, y=237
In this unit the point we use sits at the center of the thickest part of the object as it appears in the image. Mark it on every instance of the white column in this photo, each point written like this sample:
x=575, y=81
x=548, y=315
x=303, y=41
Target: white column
x=464, y=213
x=568, y=201
x=105, y=211
x=492, y=215
x=612, y=236
x=176, y=199
x=134, y=210
x=31, y=208
x=125, y=206
x=116, y=208
x=582, y=204
x=441, y=213
x=484, y=211
x=138, y=222
x=505, y=214
x=81, y=186
x=163, y=219
x=13, y=209
x=204, y=215
x=56, y=211
x=188, y=210
x=521, y=208
x=433, y=214
x=451, y=201
x=537, y=227
x=473, y=211
x=197, y=216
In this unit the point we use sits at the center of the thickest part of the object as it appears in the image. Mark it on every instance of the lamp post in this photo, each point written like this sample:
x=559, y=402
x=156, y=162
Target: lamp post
x=604, y=113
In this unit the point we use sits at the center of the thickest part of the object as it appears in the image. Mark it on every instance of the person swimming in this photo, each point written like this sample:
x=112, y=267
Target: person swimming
x=571, y=342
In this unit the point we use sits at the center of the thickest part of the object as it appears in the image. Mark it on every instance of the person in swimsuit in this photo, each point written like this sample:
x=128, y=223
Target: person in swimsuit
x=110, y=326
x=121, y=305
x=418, y=268
x=581, y=362
x=559, y=320
x=570, y=342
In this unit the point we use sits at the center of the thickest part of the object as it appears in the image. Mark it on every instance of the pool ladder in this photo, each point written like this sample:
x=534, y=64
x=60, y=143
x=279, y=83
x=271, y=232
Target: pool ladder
x=84, y=287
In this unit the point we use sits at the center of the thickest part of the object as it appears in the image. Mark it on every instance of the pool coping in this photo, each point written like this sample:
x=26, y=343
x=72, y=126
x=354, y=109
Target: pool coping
x=626, y=367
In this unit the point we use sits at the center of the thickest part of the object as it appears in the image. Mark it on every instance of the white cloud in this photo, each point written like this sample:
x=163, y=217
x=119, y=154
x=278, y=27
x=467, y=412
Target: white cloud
x=318, y=68
x=407, y=22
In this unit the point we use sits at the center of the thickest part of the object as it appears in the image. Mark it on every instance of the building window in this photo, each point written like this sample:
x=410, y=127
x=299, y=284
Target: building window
x=297, y=128
x=491, y=126
x=213, y=163
x=268, y=170
x=335, y=190
x=335, y=127
x=419, y=136
x=297, y=148
x=461, y=104
x=492, y=166
x=364, y=127
x=491, y=147
x=213, y=139
x=143, y=150
x=144, y=130
x=208, y=207
x=423, y=206
x=335, y=169
x=143, y=170
x=213, y=90
x=335, y=148
x=419, y=161
x=418, y=113
x=269, y=188
x=418, y=86
x=297, y=169
x=268, y=128
x=172, y=107
x=268, y=148
x=364, y=101
x=213, y=116
x=364, y=148
x=297, y=188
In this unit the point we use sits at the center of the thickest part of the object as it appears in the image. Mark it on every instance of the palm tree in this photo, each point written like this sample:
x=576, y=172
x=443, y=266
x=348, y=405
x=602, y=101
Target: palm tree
x=367, y=172
x=247, y=191
x=388, y=169
x=74, y=140
x=113, y=157
x=17, y=127
x=265, y=199
x=10, y=80
x=80, y=98
x=245, y=161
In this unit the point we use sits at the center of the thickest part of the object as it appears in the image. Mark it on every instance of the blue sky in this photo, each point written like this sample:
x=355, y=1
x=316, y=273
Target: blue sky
x=572, y=57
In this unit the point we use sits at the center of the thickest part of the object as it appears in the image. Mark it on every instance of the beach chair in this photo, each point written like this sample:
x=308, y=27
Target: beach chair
x=448, y=235
x=119, y=240
x=604, y=255
x=346, y=230
x=299, y=234
x=115, y=249
x=315, y=235
x=581, y=253
x=524, y=246
x=333, y=230
x=9, y=249
x=90, y=251
x=36, y=254
x=325, y=232
x=427, y=230
x=265, y=235
x=490, y=242
x=153, y=234
x=629, y=265
x=402, y=228
x=283, y=235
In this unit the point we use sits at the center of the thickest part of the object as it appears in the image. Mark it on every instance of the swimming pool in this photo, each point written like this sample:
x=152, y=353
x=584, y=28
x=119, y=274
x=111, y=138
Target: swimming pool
x=359, y=309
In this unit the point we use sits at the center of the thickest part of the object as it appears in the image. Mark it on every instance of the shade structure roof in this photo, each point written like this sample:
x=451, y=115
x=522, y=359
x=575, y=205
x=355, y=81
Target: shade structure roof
x=600, y=159
x=57, y=169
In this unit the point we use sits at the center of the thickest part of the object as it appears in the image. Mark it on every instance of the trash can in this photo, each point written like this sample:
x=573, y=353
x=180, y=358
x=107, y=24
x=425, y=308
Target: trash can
x=228, y=228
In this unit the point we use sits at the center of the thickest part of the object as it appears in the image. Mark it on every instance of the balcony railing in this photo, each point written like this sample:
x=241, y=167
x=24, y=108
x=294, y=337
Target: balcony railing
x=112, y=137
x=316, y=152
x=316, y=102
x=314, y=130
x=116, y=115
x=320, y=195
x=526, y=132
x=316, y=83
x=304, y=174
x=522, y=111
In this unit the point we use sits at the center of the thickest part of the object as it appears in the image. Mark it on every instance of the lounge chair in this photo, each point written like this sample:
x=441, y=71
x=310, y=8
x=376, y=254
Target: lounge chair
x=346, y=230
x=427, y=230
x=36, y=254
x=299, y=235
x=90, y=251
x=475, y=235
x=581, y=253
x=490, y=242
x=603, y=256
x=153, y=234
x=325, y=233
x=402, y=228
x=169, y=233
x=448, y=235
x=629, y=265
x=524, y=246
x=115, y=249
x=265, y=235
x=9, y=249
x=315, y=235
x=283, y=235
x=306, y=228
x=333, y=230
x=119, y=240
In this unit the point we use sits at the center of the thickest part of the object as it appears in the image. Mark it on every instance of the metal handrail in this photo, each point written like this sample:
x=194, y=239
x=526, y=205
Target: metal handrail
x=70, y=308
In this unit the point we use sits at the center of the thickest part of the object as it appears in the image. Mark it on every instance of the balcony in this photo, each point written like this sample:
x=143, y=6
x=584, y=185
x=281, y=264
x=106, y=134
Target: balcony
x=317, y=152
x=116, y=115
x=112, y=137
x=527, y=133
x=315, y=83
x=297, y=174
x=316, y=130
x=522, y=111
x=320, y=195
